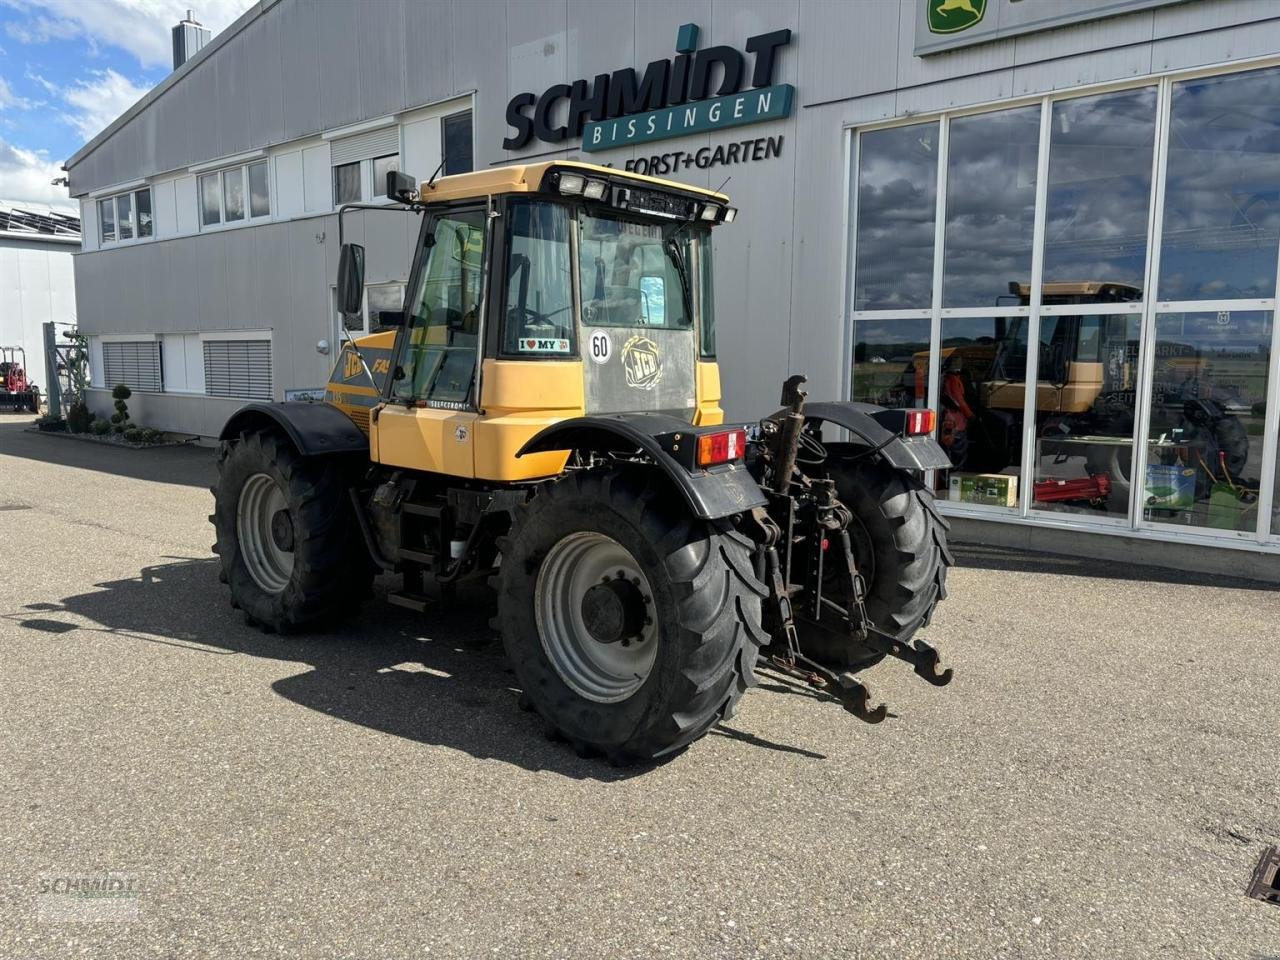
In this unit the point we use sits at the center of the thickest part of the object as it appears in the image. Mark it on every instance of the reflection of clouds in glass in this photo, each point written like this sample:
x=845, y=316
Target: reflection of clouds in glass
x=897, y=190
x=1222, y=202
x=991, y=196
x=1099, y=187
x=884, y=361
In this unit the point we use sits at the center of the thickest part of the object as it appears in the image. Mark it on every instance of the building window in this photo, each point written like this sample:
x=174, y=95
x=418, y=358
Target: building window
x=381, y=167
x=456, y=134
x=135, y=363
x=346, y=184
x=377, y=297
x=239, y=369
x=126, y=216
x=235, y=195
x=259, y=190
x=1065, y=389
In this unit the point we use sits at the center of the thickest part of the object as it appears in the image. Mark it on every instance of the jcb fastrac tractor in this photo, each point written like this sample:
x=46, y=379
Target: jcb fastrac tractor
x=544, y=412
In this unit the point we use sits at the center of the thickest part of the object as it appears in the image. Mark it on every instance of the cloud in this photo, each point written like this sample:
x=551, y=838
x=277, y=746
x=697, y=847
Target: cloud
x=140, y=27
x=8, y=99
x=96, y=101
x=26, y=177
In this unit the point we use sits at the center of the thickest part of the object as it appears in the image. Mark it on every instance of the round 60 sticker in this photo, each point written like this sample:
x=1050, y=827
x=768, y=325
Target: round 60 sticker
x=601, y=348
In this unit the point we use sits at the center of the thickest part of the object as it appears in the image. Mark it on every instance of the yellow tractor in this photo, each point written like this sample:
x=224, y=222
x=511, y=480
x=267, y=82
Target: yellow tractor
x=545, y=413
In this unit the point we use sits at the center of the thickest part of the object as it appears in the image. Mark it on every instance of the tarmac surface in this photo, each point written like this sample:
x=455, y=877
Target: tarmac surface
x=1099, y=781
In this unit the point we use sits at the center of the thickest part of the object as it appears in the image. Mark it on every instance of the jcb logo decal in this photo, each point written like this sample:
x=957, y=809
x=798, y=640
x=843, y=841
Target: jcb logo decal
x=351, y=365
x=952, y=16
x=641, y=363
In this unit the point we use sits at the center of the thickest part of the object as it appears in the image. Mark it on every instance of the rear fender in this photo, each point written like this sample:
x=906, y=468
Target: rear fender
x=314, y=428
x=879, y=429
x=670, y=444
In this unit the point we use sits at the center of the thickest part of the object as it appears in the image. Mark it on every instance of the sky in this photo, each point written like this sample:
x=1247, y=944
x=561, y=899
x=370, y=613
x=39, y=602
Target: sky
x=70, y=67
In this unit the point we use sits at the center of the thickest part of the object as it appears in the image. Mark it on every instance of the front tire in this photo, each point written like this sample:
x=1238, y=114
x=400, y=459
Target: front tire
x=687, y=604
x=288, y=543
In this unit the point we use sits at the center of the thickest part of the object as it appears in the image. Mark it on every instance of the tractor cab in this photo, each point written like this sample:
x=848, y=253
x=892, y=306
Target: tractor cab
x=536, y=294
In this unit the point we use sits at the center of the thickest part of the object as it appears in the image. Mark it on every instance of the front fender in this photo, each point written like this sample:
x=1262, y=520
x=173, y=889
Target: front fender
x=314, y=428
x=669, y=443
x=881, y=429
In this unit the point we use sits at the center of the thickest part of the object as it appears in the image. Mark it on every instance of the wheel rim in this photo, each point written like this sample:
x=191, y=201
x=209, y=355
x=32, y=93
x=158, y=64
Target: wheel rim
x=265, y=529
x=599, y=630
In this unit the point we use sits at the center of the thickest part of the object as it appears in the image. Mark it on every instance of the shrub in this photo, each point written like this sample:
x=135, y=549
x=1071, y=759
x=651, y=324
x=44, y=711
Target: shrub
x=121, y=392
x=100, y=427
x=151, y=435
x=79, y=419
x=119, y=428
x=133, y=434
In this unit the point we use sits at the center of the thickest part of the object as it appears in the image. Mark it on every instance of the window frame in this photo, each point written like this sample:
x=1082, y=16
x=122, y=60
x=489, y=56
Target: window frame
x=1266, y=534
x=114, y=200
x=219, y=176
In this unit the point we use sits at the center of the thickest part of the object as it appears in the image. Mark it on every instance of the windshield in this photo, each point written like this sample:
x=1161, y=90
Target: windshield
x=631, y=273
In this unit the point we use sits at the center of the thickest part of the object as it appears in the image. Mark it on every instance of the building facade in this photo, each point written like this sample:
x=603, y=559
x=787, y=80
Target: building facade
x=927, y=188
x=37, y=281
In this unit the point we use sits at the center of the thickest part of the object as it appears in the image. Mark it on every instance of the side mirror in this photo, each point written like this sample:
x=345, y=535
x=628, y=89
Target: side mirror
x=401, y=186
x=350, y=279
x=391, y=318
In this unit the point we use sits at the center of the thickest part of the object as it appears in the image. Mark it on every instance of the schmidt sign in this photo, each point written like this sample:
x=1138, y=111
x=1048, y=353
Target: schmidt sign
x=673, y=98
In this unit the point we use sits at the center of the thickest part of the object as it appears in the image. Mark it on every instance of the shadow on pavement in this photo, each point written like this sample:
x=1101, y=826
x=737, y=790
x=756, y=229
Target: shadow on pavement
x=190, y=466
x=389, y=670
x=987, y=557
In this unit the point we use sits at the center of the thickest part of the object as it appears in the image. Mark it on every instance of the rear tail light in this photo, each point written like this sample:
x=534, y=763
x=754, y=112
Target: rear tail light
x=920, y=421
x=721, y=447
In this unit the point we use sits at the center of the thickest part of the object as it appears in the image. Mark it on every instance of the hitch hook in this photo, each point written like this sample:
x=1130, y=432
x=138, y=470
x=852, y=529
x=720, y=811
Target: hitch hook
x=929, y=665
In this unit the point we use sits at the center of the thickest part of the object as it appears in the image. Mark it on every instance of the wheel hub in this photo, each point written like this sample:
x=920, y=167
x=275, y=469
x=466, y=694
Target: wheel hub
x=282, y=530
x=614, y=610
x=596, y=617
x=265, y=533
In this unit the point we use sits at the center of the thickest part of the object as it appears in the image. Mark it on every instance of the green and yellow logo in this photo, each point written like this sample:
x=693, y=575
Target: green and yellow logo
x=952, y=16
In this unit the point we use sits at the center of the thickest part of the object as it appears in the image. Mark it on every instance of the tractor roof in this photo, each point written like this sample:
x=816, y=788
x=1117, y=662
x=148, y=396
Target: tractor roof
x=528, y=177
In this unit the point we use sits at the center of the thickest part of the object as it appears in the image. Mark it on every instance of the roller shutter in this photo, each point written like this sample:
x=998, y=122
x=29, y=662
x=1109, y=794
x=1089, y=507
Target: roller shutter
x=365, y=146
x=135, y=363
x=238, y=368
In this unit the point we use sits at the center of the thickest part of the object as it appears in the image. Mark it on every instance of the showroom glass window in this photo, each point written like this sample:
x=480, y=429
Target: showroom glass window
x=1098, y=205
x=986, y=264
x=1213, y=322
x=897, y=198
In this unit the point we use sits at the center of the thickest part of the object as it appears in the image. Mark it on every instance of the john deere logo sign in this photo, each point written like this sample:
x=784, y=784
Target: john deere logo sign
x=952, y=16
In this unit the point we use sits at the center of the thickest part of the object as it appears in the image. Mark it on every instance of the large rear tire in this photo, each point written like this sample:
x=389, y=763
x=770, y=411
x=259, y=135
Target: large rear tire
x=288, y=542
x=900, y=546
x=632, y=627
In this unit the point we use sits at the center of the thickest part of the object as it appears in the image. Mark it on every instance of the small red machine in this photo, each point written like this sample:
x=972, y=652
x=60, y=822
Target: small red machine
x=16, y=389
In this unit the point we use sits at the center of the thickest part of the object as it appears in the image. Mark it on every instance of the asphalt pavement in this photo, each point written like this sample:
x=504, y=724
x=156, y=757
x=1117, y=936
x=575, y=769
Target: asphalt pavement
x=1099, y=781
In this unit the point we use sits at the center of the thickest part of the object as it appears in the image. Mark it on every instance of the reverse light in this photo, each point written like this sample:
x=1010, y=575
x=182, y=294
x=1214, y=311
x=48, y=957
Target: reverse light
x=572, y=184
x=721, y=447
x=920, y=422
x=594, y=190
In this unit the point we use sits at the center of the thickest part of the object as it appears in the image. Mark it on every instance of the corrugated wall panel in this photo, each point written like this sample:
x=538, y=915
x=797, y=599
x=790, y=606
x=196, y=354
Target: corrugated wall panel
x=201, y=115
x=299, y=64
x=232, y=104
x=380, y=58
x=477, y=55
x=428, y=70
x=835, y=63
x=262, y=78
x=336, y=28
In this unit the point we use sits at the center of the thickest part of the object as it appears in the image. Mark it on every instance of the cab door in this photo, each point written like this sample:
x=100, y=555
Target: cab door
x=428, y=422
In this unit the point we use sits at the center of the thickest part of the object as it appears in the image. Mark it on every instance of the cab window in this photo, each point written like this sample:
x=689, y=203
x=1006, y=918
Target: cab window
x=443, y=325
x=628, y=278
x=539, y=287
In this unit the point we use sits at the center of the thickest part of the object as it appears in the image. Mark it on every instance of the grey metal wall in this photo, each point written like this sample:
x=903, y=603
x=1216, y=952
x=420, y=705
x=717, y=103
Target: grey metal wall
x=35, y=287
x=290, y=68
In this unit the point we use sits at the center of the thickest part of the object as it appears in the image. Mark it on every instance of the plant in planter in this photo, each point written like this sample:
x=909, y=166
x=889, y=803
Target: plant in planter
x=120, y=418
x=100, y=427
x=79, y=419
x=133, y=434
x=151, y=435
